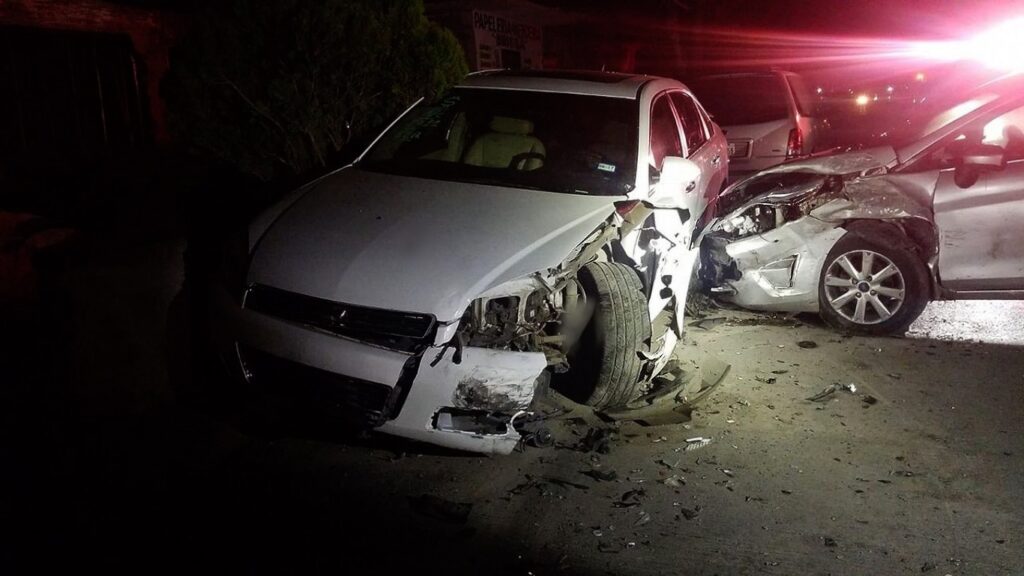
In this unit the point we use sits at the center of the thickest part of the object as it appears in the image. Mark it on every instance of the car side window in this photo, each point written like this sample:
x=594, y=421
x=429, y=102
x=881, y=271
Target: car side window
x=665, y=139
x=693, y=124
x=1007, y=132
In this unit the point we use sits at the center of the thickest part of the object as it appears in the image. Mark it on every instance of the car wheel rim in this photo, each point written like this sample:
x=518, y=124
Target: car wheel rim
x=864, y=287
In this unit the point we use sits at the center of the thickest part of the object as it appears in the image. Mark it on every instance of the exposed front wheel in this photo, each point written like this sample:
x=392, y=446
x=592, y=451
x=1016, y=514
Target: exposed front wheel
x=606, y=362
x=872, y=286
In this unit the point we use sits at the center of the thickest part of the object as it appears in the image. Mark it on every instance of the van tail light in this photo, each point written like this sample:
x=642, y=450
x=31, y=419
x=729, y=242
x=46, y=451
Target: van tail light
x=795, y=146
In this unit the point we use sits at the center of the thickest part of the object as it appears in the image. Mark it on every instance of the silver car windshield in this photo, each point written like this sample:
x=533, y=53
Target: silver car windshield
x=568, y=143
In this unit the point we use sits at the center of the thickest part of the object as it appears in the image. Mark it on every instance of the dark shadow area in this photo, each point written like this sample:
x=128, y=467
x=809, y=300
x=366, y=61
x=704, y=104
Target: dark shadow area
x=123, y=454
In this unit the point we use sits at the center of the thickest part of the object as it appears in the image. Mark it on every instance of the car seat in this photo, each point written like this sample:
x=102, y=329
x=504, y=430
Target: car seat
x=509, y=144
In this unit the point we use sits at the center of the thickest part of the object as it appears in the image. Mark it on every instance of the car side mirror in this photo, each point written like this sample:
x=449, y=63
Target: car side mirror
x=976, y=160
x=678, y=178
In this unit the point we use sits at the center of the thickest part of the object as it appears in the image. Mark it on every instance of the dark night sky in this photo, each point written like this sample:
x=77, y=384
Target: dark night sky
x=901, y=18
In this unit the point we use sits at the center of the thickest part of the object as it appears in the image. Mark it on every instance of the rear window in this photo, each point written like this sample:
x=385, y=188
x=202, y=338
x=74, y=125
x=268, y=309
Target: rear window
x=737, y=100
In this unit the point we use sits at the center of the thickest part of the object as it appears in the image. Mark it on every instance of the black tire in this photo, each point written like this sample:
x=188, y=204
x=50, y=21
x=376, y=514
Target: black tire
x=912, y=278
x=608, y=363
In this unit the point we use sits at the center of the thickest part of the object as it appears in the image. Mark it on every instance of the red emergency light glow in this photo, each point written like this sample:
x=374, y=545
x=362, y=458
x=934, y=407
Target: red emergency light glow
x=999, y=48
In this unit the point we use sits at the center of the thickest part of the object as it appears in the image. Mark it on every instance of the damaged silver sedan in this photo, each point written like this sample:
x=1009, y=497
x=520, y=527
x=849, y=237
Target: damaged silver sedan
x=867, y=238
x=518, y=232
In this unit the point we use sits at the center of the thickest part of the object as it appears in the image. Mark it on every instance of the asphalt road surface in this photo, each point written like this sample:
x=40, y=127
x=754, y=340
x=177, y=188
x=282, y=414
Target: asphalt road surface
x=917, y=471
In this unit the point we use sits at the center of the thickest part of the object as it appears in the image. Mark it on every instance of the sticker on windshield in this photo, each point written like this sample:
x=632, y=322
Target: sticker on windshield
x=605, y=167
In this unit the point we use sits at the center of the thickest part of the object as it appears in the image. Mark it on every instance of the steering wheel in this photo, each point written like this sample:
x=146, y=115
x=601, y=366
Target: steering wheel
x=522, y=158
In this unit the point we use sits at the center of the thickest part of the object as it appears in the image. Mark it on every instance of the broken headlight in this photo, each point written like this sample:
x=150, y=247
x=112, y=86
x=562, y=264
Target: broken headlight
x=786, y=204
x=507, y=321
x=757, y=219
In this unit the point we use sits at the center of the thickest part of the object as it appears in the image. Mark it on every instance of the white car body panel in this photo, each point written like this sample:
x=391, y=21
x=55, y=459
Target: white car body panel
x=510, y=375
x=425, y=246
x=399, y=243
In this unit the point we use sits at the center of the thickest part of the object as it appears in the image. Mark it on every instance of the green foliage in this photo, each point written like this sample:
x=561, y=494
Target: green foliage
x=281, y=85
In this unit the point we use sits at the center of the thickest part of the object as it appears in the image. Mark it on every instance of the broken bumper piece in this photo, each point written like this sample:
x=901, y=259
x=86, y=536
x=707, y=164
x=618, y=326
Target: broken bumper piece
x=468, y=406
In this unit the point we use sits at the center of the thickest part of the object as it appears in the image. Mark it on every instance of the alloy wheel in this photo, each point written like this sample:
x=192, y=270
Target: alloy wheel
x=864, y=287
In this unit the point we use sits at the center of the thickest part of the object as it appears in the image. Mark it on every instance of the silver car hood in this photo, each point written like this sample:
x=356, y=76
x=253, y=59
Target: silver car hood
x=418, y=245
x=846, y=163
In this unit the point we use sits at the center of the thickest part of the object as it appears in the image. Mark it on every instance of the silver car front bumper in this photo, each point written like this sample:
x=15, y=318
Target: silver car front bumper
x=780, y=268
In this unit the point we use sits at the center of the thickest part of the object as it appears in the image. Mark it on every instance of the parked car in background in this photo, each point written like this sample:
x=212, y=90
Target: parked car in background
x=767, y=117
x=521, y=227
x=868, y=238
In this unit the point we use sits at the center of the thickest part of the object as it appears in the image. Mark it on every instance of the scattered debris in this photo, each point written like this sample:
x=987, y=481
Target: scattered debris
x=542, y=485
x=869, y=400
x=564, y=483
x=630, y=498
x=539, y=438
x=597, y=440
x=829, y=541
x=695, y=444
x=806, y=344
x=642, y=518
x=674, y=394
x=675, y=481
x=440, y=508
x=832, y=389
x=787, y=492
x=780, y=371
x=690, y=513
x=894, y=376
x=928, y=567
x=667, y=464
x=728, y=472
x=601, y=475
x=766, y=380
x=708, y=323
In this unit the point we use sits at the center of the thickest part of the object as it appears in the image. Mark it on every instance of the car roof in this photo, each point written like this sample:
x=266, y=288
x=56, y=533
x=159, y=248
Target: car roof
x=592, y=83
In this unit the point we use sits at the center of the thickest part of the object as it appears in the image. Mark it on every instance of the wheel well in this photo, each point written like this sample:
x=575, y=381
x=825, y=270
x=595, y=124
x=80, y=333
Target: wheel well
x=917, y=233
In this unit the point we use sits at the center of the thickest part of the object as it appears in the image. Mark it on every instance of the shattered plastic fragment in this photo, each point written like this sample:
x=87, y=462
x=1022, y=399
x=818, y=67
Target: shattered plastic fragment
x=630, y=498
x=601, y=475
x=675, y=481
x=832, y=389
x=696, y=443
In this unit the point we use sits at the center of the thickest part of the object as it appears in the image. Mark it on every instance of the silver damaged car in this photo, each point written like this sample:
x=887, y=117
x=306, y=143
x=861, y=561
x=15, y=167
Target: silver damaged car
x=867, y=238
x=521, y=230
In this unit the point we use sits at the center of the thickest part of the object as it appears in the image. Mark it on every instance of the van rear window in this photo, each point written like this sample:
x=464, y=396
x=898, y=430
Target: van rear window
x=738, y=100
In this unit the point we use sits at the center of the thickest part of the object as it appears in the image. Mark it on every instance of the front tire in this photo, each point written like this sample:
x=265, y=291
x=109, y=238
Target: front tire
x=872, y=286
x=607, y=363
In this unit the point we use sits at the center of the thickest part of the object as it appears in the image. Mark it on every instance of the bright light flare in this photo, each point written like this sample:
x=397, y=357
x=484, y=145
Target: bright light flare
x=999, y=48
x=862, y=100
